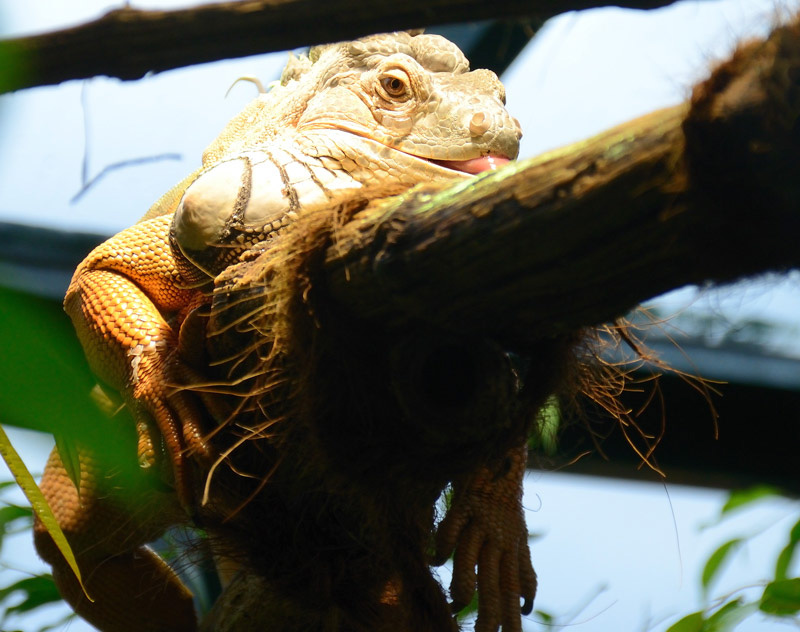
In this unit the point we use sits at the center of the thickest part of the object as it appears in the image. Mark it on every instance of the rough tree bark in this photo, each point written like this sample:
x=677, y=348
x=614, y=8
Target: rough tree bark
x=128, y=42
x=707, y=191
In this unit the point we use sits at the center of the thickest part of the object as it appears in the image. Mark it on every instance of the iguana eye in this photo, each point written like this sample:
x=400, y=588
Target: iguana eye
x=394, y=86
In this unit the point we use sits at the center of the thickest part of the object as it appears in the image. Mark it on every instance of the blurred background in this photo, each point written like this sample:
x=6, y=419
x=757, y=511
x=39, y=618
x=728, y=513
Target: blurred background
x=616, y=547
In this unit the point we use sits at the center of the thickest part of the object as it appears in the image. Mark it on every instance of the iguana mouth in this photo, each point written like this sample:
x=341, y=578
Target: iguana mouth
x=473, y=165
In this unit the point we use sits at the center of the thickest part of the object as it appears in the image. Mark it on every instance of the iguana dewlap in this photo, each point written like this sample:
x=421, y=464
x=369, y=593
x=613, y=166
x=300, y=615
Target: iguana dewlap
x=352, y=121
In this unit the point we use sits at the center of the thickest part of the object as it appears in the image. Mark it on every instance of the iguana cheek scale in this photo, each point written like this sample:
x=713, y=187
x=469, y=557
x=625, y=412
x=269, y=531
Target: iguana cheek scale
x=352, y=121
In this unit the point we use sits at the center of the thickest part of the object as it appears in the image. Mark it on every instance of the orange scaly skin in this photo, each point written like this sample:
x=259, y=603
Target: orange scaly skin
x=132, y=587
x=126, y=300
x=119, y=300
x=129, y=298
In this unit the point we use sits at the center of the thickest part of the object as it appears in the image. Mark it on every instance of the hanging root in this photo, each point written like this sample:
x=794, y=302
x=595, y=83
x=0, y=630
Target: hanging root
x=613, y=360
x=261, y=331
x=264, y=328
x=251, y=79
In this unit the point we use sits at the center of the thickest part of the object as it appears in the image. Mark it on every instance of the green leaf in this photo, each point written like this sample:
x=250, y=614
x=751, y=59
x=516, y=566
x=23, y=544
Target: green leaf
x=70, y=459
x=544, y=436
x=742, y=497
x=729, y=616
x=10, y=514
x=690, y=623
x=787, y=554
x=781, y=597
x=794, y=534
x=61, y=624
x=46, y=383
x=470, y=608
x=39, y=503
x=39, y=590
x=544, y=617
x=723, y=620
x=716, y=560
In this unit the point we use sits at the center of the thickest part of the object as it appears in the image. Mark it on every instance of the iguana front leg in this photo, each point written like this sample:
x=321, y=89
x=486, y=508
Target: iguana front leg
x=126, y=300
x=119, y=301
x=107, y=525
x=485, y=526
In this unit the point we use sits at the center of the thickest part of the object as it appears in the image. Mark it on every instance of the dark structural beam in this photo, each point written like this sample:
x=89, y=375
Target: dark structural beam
x=128, y=43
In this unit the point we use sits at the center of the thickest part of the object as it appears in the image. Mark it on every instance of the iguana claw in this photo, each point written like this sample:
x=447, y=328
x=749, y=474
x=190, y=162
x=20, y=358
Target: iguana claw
x=156, y=401
x=485, y=528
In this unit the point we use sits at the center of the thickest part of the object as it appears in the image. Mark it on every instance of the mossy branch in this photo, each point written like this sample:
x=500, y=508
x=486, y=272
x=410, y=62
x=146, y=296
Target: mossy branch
x=705, y=191
x=128, y=43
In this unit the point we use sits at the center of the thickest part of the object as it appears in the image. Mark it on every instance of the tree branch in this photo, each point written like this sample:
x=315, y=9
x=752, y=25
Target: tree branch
x=128, y=43
x=707, y=191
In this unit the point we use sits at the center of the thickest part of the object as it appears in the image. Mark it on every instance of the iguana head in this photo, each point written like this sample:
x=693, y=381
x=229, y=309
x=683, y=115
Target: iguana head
x=351, y=121
x=405, y=100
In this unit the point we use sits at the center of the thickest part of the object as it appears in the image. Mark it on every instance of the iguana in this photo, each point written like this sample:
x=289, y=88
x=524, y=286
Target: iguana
x=349, y=124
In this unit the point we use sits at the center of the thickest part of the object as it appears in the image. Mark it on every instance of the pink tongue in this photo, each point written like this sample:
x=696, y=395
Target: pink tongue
x=474, y=165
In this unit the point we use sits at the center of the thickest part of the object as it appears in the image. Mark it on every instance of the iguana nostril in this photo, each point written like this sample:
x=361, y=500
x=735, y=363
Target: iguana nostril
x=517, y=126
x=478, y=124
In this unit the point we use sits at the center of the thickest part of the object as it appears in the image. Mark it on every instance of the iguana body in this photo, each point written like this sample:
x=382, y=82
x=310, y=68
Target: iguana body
x=354, y=122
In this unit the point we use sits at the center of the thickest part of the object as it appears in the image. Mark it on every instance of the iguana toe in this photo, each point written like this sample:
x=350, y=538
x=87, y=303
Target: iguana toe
x=485, y=528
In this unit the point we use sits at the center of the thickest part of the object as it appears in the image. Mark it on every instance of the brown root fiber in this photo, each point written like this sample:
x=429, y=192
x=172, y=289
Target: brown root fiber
x=742, y=134
x=337, y=435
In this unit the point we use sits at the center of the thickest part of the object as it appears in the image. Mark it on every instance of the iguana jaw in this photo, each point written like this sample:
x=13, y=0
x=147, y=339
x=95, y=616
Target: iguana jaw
x=452, y=162
x=468, y=167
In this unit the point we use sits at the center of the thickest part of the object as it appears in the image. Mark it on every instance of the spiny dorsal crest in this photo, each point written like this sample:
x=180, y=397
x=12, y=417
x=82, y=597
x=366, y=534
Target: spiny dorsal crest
x=432, y=52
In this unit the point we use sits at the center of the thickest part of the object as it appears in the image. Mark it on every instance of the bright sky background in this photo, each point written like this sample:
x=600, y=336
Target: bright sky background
x=582, y=74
